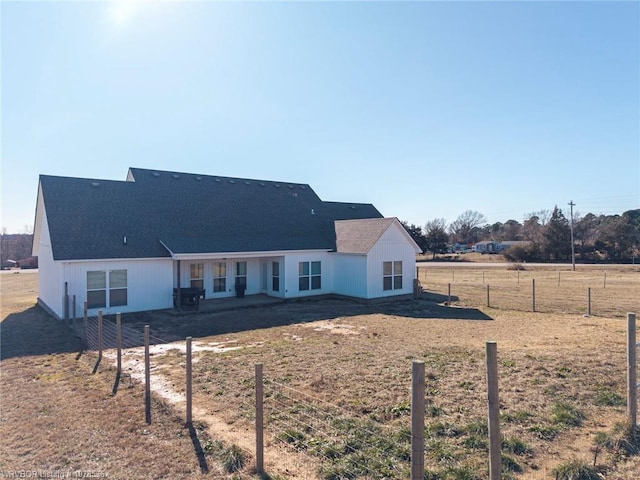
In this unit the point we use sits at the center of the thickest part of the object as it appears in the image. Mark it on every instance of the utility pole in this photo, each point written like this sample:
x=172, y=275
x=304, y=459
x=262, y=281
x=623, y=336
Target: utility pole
x=573, y=253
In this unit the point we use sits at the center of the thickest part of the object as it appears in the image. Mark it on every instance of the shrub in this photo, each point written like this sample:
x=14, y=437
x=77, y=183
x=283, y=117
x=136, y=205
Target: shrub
x=515, y=266
x=609, y=399
x=575, y=470
x=543, y=432
x=517, y=447
x=567, y=415
x=233, y=459
x=522, y=253
x=510, y=465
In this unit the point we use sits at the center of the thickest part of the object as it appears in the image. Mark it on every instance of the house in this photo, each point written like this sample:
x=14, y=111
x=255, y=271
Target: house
x=485, y=247
x=127, y=246
x=488, y=246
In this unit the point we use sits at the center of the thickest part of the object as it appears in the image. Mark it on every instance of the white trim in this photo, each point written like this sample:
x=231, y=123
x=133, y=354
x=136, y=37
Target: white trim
x=232, y=255
x=122, y=259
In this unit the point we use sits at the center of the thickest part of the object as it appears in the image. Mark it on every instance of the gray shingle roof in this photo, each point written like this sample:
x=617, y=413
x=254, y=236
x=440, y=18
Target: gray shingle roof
x=88, y=218
x=359, y=236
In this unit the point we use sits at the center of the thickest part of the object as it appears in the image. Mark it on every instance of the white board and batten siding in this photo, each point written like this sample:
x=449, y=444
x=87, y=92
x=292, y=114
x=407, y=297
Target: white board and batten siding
x=290, y=272
x=391, y=247
x=350, y=275
x=149, y=283
x=50, y=273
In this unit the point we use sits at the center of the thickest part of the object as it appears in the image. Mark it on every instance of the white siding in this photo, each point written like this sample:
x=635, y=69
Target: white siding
x=50, y=279
x=392, y=246
x=350, y=275
x=289, y=268
x=149, y=283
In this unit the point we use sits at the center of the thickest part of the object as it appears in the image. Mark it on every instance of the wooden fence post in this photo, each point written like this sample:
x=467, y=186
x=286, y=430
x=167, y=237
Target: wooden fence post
x=147, y=377
x=259, y=419
x=119, y=342
x=449, y=295
x=488, y=296
x=189, y=390
x=495, y=454
x=533, y=296
x=632, y=386
x=417, y=421
x=100, y=334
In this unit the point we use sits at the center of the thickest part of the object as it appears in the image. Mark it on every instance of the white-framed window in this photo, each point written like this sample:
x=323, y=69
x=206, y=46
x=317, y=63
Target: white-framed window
x=219, y=277
x=117, y=288
x=241, y=274
x=309, y=276
x=196, y=271
x=97, y=288
x=275, y=276
x=392, y=275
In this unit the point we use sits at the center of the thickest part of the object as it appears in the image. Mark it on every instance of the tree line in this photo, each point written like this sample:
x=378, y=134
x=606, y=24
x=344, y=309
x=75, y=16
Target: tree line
x=546, y=235
x=14, y=247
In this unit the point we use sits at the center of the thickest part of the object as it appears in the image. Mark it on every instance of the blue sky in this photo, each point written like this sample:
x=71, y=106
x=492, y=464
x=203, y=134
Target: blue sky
x=424, y=109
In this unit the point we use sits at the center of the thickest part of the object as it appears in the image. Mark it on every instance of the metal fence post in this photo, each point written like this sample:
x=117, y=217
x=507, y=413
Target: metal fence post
x=632, y=386
x=100, y=334
x=495, y=454
x=533, y=295
x=589, y=301
x=259, y=419
x=417, y=421
x=119, y=342
x=86, y=321
x=147, y=377
x=189, y=390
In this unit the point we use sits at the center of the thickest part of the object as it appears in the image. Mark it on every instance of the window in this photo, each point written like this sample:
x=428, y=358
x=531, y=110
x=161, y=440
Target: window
x=97, y=288
x=219, y=277
x=197, y=275
x=117, y=288
x=309, y=276
x=392, y=275
x=275, y=276
x=241, y=274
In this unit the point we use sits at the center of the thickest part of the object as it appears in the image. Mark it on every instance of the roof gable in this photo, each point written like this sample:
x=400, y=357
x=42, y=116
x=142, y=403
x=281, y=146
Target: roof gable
x=360, y=236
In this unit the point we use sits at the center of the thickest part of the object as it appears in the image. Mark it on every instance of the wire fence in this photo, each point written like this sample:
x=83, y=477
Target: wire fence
x=334, y=440
x=610, y=294
x=307, y=437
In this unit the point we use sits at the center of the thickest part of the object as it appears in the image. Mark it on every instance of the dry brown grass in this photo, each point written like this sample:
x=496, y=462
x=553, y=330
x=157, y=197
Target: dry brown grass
x=355, y=359
x=57, y=418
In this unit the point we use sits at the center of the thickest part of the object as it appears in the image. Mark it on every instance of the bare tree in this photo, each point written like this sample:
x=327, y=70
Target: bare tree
x=463, y=227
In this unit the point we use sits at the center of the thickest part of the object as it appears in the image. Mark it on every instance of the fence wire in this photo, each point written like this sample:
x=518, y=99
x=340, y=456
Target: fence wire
x=600, y=294
x=341, y=444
